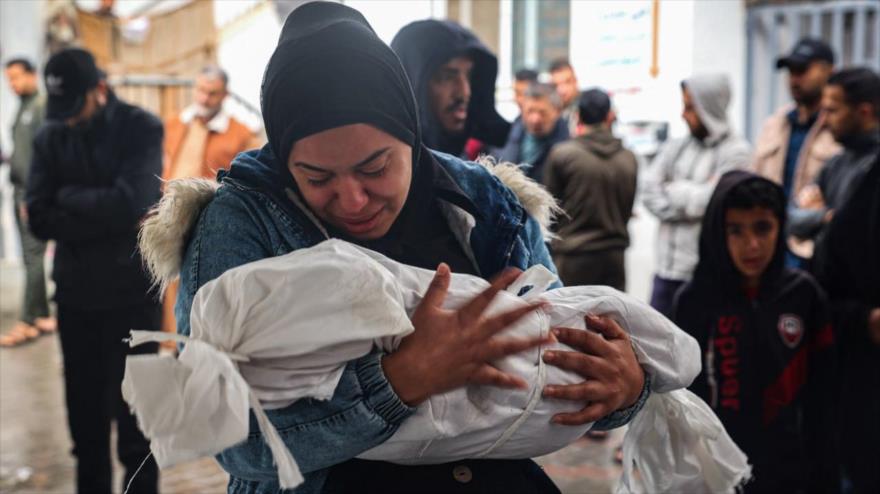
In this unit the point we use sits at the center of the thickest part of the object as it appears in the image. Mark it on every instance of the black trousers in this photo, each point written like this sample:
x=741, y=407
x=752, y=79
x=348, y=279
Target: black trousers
x=94, y=364
x=663, y=295
x=604, y=267
x=461, y=477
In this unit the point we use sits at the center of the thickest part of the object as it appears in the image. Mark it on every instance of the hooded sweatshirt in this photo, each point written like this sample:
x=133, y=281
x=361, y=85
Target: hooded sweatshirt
x=677, y=185
x=423, y=47
x=767, y=357
x=594, y=179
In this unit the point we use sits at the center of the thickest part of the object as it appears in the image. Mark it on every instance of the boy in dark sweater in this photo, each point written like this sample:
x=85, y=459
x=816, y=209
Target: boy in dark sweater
x=766, y=340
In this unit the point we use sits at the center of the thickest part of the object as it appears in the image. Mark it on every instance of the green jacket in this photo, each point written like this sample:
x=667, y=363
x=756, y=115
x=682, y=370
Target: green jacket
x=28, y=121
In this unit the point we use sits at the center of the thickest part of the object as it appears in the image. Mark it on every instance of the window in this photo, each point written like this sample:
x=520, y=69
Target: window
x=540, y=32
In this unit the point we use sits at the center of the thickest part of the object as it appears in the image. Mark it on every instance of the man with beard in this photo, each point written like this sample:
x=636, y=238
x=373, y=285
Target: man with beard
x=795, y=142
x=678, y=183
x=453, y=78
x=566, y=83
x=851, y=104
x=202, y=139
x=94, y=174
x=842, y=206
x=34, y=318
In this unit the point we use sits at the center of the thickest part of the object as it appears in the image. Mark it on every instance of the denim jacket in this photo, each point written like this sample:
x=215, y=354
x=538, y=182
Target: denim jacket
x=254, y=214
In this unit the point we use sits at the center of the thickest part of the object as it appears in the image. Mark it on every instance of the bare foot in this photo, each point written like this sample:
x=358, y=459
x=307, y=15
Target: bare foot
x=20, y=334
x=46, y=324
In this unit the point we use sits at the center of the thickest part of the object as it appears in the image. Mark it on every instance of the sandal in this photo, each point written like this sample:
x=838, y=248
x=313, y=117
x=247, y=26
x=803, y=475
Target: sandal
x=20, y=334
x=46, y=325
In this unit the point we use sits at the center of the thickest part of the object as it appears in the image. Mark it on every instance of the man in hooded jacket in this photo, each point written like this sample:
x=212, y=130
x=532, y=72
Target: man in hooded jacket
x=766, y=339
x=594, y=178
x=678, y=183
x=452, y=74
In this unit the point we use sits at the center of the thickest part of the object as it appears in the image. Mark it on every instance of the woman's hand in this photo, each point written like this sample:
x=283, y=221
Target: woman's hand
x=449, y=349
x=613, y=377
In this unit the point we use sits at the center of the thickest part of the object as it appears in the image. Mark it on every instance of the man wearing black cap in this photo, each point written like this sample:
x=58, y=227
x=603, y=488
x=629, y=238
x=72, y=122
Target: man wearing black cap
x=453, y=78
x=795, y=142
x=93, y=177
x=594, y=178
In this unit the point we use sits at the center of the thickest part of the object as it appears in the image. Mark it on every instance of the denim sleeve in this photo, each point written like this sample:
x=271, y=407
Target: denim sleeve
x=364, y=410
x=541, y=255
x=363, y=413
x=538, y=251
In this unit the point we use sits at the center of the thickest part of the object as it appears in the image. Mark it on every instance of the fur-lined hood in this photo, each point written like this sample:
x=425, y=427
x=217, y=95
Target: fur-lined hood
x=166, y=229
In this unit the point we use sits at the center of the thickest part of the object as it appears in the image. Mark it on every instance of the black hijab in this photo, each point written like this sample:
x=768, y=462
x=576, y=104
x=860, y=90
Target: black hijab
x=329, y=70
x=423, y=46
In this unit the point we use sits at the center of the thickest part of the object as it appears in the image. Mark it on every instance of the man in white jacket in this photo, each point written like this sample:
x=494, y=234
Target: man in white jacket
x=677, y=185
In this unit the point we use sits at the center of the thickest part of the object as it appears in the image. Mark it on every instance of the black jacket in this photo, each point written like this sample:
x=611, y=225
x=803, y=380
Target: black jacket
x=768, y=360
x=837, y=180
x=88, y=190
x=849, y=268
x=423, y=46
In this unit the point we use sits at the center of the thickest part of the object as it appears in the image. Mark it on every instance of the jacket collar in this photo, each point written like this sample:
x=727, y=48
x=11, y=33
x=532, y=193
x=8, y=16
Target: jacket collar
x=219, y=123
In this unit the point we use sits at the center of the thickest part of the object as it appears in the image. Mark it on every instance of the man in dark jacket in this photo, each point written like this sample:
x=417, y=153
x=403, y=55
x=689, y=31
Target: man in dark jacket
x=766, y=338
x=535, y=134
x=93, y=177
x=453, y=78
x=848, y=266
x=594, y=179
x=851, y=104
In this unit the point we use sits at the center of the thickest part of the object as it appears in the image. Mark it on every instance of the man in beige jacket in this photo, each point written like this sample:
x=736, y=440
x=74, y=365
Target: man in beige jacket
x=795, y=142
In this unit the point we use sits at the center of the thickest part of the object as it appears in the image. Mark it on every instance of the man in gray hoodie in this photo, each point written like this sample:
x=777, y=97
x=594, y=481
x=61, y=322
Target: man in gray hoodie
x=594, y=179
x=677, y=185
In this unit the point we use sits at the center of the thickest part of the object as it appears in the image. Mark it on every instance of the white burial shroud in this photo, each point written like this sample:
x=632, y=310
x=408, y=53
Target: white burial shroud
x=269, y=333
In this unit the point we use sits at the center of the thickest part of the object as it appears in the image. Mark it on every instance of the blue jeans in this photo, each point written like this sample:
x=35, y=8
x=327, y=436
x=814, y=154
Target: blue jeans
x=663, y=294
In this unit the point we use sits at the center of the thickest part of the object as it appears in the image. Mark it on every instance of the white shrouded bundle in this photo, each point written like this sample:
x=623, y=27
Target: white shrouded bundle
x=281, y=329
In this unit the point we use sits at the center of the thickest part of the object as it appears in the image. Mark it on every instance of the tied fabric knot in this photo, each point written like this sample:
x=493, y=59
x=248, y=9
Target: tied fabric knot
x=197, y=405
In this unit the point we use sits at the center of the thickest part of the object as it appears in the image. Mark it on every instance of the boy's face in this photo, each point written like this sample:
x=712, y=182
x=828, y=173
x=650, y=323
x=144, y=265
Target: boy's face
x=751, y=239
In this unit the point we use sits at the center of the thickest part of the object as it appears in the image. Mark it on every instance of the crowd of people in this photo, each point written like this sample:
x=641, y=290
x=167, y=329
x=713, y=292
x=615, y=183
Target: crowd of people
x=767, y=253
